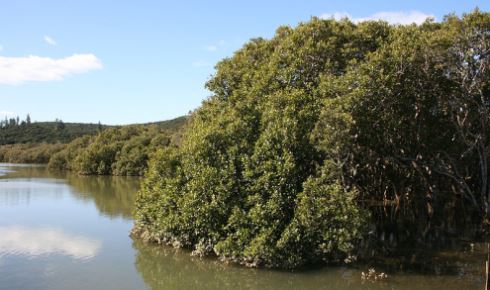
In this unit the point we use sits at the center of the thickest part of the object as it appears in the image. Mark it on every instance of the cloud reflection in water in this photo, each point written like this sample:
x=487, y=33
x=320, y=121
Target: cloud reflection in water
x=33, y=242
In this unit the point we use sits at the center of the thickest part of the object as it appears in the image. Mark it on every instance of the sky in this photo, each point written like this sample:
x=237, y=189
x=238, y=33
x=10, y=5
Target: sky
x=124, y=62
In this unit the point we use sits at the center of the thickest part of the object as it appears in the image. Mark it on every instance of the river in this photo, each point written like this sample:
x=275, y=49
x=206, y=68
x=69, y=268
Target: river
x=63, y=231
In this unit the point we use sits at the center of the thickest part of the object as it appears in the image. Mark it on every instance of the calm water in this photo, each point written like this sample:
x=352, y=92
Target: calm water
x=61, y=231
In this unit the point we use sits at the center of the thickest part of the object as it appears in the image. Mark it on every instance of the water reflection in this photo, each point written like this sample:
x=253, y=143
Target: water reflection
x=21, y=191
x=114, y=196
x=27, y=170
x=32, y=242
x=167, y=268
x=55, y=232
x=4, y=171
x=63, y=210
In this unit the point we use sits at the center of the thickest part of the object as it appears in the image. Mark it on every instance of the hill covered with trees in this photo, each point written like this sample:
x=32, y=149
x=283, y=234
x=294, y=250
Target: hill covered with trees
x=327, y=139
x=116, y=150
x=15, y=131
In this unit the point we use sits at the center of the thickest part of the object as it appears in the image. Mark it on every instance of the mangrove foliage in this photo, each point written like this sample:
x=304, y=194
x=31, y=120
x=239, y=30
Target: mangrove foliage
x=327, y=139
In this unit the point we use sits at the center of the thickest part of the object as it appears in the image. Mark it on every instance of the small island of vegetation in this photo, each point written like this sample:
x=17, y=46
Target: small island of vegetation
x=329, y=141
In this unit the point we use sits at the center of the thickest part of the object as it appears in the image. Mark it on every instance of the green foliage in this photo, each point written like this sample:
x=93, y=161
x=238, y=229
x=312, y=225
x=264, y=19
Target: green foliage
x=409, y=124
x=326, y=224
x=172, y=125
x=29, y=153
x=121, y=150
x=248, y=167
x=306, y=130
x=64, y=159
x=117, y=151
x=43, y=132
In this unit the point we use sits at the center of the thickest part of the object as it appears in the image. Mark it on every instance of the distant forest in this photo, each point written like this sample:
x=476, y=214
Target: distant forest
x=92, y=149
x=15, y=130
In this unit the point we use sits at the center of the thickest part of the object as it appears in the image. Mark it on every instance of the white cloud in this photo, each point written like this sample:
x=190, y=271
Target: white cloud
x=35, y=242
x=393, y=17
x=18, y=70
x=49, y=40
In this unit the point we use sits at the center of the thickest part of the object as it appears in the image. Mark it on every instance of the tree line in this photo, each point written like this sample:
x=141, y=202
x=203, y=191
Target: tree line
x=17, y=131
x=12, y=122
x=330, y=140
x=122, y=150
x=115, y=151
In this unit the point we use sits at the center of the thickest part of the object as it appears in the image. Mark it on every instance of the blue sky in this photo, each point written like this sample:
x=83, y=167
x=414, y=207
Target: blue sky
x=122, y=62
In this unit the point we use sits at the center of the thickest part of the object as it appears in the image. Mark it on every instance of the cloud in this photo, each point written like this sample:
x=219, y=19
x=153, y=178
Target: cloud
x=18, y=70
x=36, y=242
x=49, y=40
x=393, y=17
x=1, y=47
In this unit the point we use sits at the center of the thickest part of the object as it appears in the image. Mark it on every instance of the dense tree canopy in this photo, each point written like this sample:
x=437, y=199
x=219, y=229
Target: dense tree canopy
x=122, y=150
x=16, y=131
x=29, y=153
x=115, y=151
x=309, y=133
